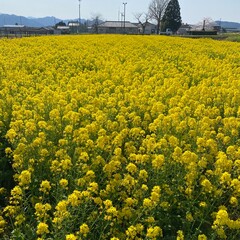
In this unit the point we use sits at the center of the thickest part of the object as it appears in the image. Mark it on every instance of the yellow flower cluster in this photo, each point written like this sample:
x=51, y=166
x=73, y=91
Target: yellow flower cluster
x=120, y=137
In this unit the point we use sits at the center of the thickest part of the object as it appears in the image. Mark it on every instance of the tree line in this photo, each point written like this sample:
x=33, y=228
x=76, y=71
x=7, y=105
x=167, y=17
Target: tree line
x=166, y=13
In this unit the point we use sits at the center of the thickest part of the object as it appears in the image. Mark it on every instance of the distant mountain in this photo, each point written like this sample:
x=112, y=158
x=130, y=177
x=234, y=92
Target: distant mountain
x=7, y=19
x=10, y=19
x=226, y=24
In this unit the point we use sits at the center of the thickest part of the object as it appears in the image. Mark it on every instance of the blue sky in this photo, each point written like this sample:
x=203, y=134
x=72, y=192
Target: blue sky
x=192, y=11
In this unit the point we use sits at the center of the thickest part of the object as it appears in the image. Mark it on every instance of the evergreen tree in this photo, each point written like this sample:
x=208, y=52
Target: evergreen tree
x=60, y=24
x=172, y=16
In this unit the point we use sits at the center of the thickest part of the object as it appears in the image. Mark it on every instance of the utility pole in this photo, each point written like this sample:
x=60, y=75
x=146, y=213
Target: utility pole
x=79, y=15
x=122, y=17
x=220, y=23
x=124, y=20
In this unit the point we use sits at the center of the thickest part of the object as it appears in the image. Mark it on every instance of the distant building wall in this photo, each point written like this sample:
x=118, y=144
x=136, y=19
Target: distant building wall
x=21, y=30
x=117, y=27
x=149, y=28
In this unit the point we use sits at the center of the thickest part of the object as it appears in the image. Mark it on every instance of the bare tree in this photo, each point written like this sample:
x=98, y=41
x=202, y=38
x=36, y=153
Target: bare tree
x=206, y=24
x=96, y=20
x=142, y=19
x=156, y=11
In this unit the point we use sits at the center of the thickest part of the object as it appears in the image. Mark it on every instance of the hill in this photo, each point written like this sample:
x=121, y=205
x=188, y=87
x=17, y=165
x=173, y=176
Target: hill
x=226, y=24
x=11, y=19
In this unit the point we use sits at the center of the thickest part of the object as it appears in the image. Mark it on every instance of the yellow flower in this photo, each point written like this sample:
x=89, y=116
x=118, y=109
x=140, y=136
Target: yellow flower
x=234, y=201
x=130, y=202
x=150, y=220
x=84, y=156
x=71, y=237
x=93, y=187
x=16, y=195
x=203, y=204
x=11, y=134
x=158, y=161
x=84, y=229
x=221, y=218
x=226, y=178
x=147, y=203
x=20, y=219
x=3, y=223
x=68, y=129
x=165, y=205
x=139, y=228
x=2, y=191
x=155, y=194
x=42, y=228
x=118, y=151
x=98, y=201
x=42, y=209
x=8, y=151
x=66, y=164
x=108, y=203
x=144, y=187
x=154, y=232
x=143, y=174
x=189, y=217
x=74, y=198
x=180, y=235
x=221, y=233
x=202, y=237
x=62, y=206
x=131, y=168
x=207, y=186
x=42, y=125
x=90, y=174
x=112, y=210
x=173, y=141
x=24, y=178
x=45, y=186
x=177, y=153
x=64, y=183
x=131, y=232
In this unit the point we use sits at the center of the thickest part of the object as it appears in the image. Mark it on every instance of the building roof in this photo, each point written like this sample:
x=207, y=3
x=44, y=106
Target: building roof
x=147, y=24
x=117, y=24
x=63, y=27
x=73, y=24
x=14, y=26
x=185, y=26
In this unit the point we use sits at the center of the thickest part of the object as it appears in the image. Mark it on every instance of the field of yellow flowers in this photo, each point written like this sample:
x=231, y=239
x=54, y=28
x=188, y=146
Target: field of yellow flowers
x=119, y=137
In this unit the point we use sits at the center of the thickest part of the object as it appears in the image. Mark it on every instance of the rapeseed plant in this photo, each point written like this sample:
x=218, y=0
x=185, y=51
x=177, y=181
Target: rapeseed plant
x=120, y=137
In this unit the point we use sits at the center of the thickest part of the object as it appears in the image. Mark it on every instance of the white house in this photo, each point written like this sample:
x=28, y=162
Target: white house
x=117, y=27
x=146, y=28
